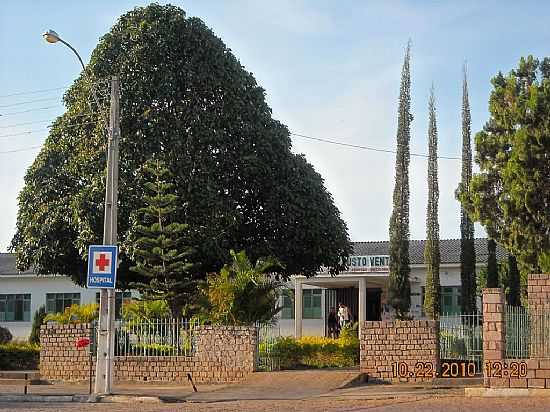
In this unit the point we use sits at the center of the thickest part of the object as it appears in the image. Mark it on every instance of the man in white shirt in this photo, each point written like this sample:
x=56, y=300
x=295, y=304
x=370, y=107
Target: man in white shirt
x=343, y=315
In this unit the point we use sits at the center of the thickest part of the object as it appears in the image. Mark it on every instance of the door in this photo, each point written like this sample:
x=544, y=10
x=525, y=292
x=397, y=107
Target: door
x=373, y=304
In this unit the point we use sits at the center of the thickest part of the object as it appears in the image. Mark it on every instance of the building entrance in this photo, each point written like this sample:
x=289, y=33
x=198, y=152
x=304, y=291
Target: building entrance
x=374, y=304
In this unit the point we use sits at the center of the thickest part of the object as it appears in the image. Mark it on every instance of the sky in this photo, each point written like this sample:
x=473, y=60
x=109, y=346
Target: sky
x=330, y=69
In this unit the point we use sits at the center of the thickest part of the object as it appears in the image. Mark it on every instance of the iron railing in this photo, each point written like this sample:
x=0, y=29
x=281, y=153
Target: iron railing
x=518, y=328
x=461, y=337
x=155, y=337
x=527, y=332
x=268, y=335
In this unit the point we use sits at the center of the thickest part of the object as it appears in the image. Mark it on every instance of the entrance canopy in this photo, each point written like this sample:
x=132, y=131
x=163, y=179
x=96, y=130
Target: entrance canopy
x=361, y=281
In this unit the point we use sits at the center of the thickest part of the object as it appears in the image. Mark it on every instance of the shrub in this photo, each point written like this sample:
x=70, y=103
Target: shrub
x=75, y=314
x=144, y=310
x=19, y=356
x=37, y=321
x=5, y=335
x=453, y=347
x=316, y=352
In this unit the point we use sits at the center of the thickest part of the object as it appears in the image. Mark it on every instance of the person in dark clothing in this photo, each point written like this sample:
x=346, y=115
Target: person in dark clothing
x=332, y=324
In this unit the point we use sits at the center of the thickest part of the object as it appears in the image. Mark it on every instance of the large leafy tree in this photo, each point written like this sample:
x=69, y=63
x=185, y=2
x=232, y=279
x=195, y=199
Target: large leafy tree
x=511, y=193
x=399, y=285
x=186, y=100
x=432, y=256
x=467, y=247
x=159, y=246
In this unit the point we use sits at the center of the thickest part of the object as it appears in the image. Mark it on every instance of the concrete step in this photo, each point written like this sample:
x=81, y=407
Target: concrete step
x=22, y=382
x=459, y=382
x=31, y=374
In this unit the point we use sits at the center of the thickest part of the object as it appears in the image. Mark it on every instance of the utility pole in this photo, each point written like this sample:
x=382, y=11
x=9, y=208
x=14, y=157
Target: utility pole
x=106, y=332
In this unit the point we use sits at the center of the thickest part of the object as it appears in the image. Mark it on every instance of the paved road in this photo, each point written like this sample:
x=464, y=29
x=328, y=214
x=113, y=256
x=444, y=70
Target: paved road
x=418, y=404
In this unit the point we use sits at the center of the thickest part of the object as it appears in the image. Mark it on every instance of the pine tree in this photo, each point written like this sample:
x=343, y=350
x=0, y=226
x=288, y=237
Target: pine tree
x=158, y=244
x=514, y=286
x=467, y=248
x=492, y=266
x=399, y=290
x=432, y=257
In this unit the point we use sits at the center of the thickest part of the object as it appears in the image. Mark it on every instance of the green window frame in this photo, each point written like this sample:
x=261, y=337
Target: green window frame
x=450, y=300
x=57, y=302
x=287, y=304
x=311, y=303
x=15, y=307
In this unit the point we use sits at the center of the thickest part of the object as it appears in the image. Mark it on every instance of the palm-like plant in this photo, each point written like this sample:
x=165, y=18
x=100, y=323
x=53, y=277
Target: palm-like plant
x=75, y=314
x=242, y=293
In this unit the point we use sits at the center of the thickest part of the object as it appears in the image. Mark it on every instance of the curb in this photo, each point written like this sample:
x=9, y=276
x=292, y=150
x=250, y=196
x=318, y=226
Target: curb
x=505, y=392
x=44, y=398
x=88, y=399
x=356, y=380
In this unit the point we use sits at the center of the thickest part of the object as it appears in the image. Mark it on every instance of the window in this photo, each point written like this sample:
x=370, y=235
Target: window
x=120, y=299
x=57, y=302
x=450, y=300
x=15, y=308
x=312, y=303
x=287, y=298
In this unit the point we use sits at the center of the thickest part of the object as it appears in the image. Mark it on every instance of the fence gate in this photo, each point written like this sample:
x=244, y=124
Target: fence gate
x=461, y=338
x=266, y=359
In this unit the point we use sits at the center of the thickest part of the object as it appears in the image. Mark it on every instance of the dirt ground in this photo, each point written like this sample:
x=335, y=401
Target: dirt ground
x=418, y=404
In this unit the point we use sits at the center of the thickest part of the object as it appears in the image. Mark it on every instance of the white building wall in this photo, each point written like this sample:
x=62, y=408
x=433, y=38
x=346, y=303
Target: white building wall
x=449, y=276
x=38, y=286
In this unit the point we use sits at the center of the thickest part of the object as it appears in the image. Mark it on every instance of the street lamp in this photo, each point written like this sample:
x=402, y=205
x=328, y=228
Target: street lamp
x=106, y=337
x=52, y=37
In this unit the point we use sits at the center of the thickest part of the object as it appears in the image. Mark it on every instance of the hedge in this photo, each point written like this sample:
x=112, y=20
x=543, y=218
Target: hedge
x=19, y=356
x=314, y=352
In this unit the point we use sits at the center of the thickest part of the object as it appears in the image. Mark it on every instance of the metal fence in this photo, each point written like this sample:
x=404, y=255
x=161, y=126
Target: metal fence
x=268, y=335
x=461, y=337
x=517, y=332
x=527, y=332
x=155, y=337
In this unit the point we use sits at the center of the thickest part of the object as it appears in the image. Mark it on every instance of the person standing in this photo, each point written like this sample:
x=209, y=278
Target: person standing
x=343, y=315
x=332, y=324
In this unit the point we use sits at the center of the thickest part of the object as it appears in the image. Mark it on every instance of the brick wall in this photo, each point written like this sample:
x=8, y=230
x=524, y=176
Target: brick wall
x=59, y=357
x=384, y=343
x=538, y=290
x=223, y=354
x=494, y=334
x=494, y=339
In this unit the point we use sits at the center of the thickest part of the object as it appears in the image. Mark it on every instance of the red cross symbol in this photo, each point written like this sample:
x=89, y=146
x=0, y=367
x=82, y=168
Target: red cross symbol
x=102, y=262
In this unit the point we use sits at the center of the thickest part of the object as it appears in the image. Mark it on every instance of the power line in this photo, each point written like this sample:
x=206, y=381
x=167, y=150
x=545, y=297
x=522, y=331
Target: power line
x=28, y=111
x=25, y=123
x=21, y=150
x=42, y=130
x=32, y=92
x=30, y=102
x=41, y=121
x=374, y=149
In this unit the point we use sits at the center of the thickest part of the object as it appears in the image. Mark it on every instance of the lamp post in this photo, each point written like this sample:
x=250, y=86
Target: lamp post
x=106, y=338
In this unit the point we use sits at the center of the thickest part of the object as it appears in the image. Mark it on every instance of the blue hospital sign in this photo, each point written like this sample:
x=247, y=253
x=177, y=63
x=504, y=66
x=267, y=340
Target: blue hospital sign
x=102, y=264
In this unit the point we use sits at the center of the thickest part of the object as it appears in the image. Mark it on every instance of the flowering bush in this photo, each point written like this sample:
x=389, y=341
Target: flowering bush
x=316, y=352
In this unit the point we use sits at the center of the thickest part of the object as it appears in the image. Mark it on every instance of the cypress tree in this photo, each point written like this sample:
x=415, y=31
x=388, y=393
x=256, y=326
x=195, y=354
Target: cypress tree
x=492, y=266
x=399, y=290
x=513, y=297
x=158, y=243
x=432, y=258
x=467, y=248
